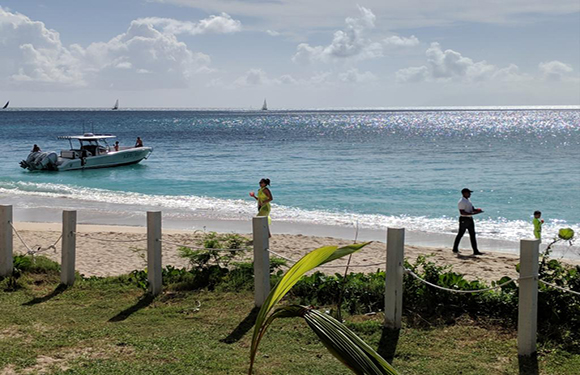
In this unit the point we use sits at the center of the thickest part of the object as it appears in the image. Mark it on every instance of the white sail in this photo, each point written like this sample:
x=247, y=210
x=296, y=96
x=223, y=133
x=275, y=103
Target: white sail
x=116, y=104
x=264, y=106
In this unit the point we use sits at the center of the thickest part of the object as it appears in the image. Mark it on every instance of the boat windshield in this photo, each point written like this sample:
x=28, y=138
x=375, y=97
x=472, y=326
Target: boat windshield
x=94, y=147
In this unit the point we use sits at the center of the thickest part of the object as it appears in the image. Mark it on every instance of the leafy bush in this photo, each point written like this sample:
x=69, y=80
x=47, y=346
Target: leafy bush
x=558, y=311
x=205, y=258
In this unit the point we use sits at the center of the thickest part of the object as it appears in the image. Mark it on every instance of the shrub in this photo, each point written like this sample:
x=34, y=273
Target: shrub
x=205, y=258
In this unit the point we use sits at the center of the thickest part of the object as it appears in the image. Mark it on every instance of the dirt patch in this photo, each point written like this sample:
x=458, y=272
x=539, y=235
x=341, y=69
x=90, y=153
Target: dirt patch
x=62, y=360
x=10, y=333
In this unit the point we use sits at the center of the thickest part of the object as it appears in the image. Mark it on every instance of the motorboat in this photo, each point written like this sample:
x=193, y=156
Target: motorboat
x=92, y=151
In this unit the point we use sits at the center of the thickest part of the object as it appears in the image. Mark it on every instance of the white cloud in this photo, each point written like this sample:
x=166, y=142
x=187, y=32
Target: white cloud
x=147, y=55
x=554, y=70
x=121, y=62
x=354, y=76
x=399, y=41
x=33, y=55
x=272, y=32
x=287, y=79
x=253, y=77
x=222, y=24
x=451, y=65
x=413, y=74
x=349, y=43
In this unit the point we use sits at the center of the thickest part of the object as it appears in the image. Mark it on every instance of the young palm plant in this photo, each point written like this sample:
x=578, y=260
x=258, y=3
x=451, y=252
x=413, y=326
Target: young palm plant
x=344, y=344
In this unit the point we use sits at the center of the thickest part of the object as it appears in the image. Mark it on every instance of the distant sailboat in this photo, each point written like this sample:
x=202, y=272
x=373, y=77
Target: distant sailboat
x=265, y=106
x=6, y=105
x=116, y=105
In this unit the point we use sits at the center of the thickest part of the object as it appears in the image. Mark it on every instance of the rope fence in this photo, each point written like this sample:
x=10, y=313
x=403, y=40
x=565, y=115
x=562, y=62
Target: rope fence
x=409, y=272
x=38, y=248
x=85, y=235
x=527, y=286
x=198, y=248
x=33, y=250
x=559, y=287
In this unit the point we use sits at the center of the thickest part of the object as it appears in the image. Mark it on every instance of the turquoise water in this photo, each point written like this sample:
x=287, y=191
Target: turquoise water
x=340, y=167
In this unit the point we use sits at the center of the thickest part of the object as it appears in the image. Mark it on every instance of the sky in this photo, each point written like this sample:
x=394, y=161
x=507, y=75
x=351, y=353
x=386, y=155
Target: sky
x=296, y=53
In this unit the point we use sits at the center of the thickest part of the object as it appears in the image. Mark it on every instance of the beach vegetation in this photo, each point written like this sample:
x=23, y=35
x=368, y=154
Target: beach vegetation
x=204, y=256
x=363, y=293
x=107, y=325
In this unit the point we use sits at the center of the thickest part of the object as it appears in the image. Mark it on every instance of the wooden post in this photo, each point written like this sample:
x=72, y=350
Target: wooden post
x=154, y=252
x=5, y=241
x=394, y=278
x=528, y=297
x=68, y=255
x=261, y=259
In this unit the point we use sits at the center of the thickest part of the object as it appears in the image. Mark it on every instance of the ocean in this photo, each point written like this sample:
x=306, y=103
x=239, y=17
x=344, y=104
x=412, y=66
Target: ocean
x=341, y=168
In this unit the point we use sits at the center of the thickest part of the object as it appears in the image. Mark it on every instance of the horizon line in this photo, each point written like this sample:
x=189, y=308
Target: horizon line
x=321, y=109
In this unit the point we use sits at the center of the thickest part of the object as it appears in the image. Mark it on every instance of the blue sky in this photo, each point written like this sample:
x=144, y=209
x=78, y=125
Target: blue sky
x=297, y=53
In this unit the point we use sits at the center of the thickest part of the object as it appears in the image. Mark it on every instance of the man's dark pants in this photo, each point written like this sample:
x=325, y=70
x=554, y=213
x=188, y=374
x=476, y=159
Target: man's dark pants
x=466, y=223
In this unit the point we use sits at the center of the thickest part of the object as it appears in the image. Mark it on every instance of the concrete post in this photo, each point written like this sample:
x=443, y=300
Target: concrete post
x=394, y=278
x=5, y=241
x=261, y=259
x=528, y=297
x=68, y=253
x=154, y=252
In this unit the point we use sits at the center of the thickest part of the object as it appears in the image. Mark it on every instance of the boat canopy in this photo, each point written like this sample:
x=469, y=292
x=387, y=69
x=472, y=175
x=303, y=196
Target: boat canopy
x=88, y=137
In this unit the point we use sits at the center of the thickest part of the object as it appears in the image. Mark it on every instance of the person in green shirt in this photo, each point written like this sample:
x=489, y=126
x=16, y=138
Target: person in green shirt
x=264, y=197
x=538, y=224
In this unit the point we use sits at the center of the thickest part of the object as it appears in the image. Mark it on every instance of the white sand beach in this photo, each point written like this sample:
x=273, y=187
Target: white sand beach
x=99, y=253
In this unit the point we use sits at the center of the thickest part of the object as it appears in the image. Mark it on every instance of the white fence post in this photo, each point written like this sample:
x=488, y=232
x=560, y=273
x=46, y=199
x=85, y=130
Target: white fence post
x=528, y=297
x=68, y=253
x=154, y=252
x=261, y=259
x=394, y=277
x=5, y=241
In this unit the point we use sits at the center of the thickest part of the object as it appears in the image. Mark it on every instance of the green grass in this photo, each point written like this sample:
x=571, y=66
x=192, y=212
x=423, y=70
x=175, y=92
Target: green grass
x=82, y=330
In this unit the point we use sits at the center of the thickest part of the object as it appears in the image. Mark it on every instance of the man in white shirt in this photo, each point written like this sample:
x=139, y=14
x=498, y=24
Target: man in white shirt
x=466, y=211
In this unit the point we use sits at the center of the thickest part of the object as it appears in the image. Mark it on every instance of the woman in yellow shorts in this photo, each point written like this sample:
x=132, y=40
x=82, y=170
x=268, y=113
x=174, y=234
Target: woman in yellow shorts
x=264, y=197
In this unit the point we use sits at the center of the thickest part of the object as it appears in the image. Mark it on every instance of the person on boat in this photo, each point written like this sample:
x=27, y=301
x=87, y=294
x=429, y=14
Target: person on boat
x=35, y=148
x=117, y=146
x=264, y=197
x=139, y=142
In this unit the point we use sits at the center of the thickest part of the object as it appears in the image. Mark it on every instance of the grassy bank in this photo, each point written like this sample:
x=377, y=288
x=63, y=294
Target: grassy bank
x=107, y=326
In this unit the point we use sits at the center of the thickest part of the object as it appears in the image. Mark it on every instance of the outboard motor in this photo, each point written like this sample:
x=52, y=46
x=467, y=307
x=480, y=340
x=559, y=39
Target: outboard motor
x=48, y=160
x=40, y=161
x=29, y=162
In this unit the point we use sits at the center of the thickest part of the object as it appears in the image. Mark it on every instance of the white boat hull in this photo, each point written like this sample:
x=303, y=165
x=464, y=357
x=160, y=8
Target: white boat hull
x=111, y=159
x=50, y=161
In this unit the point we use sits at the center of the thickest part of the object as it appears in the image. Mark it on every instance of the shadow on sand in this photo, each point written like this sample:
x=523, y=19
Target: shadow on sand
x=388, y=343
x=143, y=302
x=468, y=257
x=242, y=328
x=58, y=290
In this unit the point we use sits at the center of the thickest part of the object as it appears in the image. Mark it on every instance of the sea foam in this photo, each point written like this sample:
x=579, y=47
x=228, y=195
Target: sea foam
x=184, y=206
